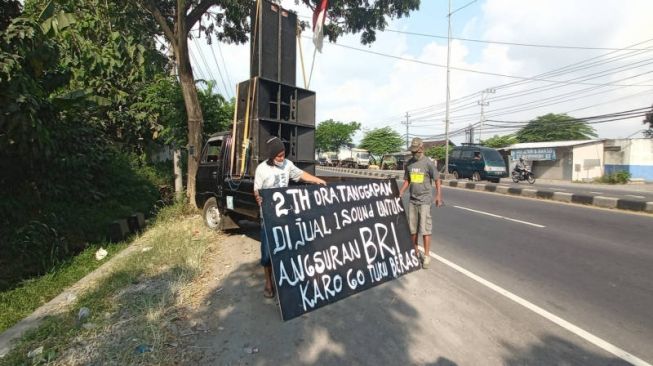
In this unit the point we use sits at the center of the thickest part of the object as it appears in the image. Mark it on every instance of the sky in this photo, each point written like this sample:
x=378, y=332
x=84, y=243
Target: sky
x=588, y=58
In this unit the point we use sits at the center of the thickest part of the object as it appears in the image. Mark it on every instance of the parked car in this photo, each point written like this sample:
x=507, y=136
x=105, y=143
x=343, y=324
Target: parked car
x=395, y=161
x=477, y=163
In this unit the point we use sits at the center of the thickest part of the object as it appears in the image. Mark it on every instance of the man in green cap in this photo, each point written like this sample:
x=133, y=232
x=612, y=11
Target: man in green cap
x=420, y=175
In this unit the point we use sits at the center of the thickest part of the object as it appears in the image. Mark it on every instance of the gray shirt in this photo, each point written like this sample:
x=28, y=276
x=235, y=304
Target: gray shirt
x=421, y=174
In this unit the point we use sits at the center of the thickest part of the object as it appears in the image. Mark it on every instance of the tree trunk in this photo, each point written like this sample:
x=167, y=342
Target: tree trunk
x=193, y=111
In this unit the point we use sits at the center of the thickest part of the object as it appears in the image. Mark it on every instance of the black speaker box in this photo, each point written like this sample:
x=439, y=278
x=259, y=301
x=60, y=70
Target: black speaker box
x=273, y=44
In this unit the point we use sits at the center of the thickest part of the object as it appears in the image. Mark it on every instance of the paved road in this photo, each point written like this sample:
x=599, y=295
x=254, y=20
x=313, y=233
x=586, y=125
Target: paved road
x=590, y=267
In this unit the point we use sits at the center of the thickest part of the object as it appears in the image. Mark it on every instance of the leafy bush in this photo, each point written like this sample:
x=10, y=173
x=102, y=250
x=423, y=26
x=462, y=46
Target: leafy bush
x=619, y=177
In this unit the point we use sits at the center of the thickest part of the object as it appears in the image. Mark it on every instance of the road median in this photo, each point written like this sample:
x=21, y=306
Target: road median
x=546, y=194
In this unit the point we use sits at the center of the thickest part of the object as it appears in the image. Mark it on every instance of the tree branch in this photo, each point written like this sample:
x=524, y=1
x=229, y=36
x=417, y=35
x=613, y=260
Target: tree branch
x=161, y=20
x=197, y=12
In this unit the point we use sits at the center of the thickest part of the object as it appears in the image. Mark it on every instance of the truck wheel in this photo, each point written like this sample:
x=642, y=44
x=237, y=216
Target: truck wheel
x=455, y=175
x=212, y=215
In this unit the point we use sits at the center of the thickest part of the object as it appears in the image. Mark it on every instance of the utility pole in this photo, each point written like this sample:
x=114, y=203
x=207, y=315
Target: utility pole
x=407, y=123
x=176, y=152
x=483, y=103
x=446, y=120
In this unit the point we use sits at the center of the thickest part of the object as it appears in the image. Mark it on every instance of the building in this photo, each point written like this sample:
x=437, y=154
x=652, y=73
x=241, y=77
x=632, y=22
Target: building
x=586, y=160
x=575, y=160
x=631, y=155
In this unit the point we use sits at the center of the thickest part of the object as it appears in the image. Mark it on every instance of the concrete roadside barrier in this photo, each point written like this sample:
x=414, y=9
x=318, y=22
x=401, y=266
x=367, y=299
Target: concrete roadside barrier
x=527, y=192
x=632, y=205
x=605, y=202
x=547, y=194
x=562, y=197
x=583, y=199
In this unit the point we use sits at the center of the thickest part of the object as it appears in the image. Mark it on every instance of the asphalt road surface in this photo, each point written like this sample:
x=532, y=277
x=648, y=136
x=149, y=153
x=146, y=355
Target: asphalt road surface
x=590, y=267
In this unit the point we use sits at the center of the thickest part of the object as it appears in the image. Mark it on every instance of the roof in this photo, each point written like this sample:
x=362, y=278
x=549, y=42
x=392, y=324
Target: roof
x=535, y=145
x=432, y=143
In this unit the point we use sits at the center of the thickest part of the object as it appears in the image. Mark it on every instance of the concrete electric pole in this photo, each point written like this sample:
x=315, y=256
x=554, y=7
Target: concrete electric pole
x=483, y=103
x=407, y=123
x=446, y=118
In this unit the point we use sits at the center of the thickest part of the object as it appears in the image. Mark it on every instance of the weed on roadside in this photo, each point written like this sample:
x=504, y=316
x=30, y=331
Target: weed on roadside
x=133, y=308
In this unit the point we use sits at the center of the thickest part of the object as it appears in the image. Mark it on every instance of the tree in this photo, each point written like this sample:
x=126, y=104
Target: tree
x=497, y=142
x=555, y=127
x=380, y=141
x=437, y=152
x=649, y=120
x=227, y=20
x=9, y=9
x=331, y=135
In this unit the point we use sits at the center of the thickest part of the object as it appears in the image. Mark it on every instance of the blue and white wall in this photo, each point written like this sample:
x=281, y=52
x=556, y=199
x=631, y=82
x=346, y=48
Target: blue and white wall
x=634, y=156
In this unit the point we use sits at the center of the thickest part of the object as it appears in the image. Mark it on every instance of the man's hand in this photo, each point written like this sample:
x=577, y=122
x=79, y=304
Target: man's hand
x=438, y=201
x=259, y=200
x=320, y=181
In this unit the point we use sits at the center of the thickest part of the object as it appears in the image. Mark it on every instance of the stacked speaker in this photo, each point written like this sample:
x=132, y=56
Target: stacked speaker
x=269, y=103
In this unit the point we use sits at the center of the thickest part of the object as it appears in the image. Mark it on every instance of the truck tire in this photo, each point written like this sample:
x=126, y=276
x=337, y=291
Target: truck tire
x=212, y=215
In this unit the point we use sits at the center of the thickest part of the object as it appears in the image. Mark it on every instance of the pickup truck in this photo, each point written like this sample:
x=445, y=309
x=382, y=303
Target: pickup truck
x=228, y=200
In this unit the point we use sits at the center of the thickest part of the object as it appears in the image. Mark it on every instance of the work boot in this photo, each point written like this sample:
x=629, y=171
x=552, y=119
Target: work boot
x=426, y=262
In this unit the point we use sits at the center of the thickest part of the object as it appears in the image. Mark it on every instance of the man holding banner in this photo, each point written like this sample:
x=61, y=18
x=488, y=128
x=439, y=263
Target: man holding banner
x=418, y=175
x=275, y=172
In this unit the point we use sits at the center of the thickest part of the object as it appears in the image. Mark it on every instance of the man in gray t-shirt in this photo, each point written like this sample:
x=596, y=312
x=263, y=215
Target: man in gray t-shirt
x=420, y=174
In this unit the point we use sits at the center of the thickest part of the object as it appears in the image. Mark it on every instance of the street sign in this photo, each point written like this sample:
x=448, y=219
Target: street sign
x=330, y=242
x=534, y=154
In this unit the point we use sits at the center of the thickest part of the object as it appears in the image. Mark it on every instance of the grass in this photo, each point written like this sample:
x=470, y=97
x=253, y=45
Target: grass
x=132, y=306
x=20, y=302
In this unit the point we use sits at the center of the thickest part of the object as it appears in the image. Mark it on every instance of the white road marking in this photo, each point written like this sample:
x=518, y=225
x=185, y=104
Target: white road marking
x=632, y=195
x=599, y=342
x=500, y=217
x=596, y=192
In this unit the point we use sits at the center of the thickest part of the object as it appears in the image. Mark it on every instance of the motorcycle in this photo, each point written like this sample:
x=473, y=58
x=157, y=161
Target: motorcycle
x=525, y=174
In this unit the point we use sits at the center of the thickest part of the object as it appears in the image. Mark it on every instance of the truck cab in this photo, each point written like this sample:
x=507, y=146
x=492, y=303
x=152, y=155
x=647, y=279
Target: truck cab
x=224, y=199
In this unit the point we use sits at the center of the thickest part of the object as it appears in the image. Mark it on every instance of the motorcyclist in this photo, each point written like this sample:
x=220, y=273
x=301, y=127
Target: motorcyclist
x=521, y=168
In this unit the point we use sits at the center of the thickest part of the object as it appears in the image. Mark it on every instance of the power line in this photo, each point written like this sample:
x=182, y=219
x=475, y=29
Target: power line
x=227, y=90
x=512, y=43
x=209, y=71
x=577, y=66
x=460, y=68
x=226, y=70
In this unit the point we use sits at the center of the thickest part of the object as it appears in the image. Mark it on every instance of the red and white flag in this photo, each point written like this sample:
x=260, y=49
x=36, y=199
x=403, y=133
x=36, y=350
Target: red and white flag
x=319, y=15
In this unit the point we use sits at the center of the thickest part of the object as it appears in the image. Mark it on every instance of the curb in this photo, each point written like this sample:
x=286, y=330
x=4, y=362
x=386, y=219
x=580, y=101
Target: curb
x=547, y=194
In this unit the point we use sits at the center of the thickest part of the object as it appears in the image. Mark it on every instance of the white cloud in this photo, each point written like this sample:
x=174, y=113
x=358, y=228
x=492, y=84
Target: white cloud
x=377, y=91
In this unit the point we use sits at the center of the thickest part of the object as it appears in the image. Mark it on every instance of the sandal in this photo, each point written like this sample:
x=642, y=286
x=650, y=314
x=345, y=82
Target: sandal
x=268, y=293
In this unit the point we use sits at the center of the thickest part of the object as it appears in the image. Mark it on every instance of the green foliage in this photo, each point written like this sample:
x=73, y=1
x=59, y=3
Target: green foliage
x=28, y=75
x=619, y=177
x=354, y=16
x=66, y=138
x=555, y=127
x=18, y=303
x=437, y=152
x=9, y=9
x=331, y=135
x=648, y=119
x=497, y=142
x=380, y=141
x=217, y=111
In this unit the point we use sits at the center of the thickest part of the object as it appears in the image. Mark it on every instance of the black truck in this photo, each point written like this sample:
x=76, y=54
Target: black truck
x=268, y=104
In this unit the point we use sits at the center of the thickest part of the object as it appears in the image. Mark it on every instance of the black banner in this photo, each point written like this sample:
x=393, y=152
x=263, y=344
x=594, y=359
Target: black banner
x=330, y=242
